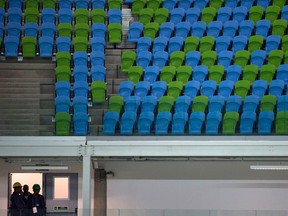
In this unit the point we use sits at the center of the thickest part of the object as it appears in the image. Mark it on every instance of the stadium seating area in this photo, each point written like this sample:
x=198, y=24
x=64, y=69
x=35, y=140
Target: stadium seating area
x=198, y=66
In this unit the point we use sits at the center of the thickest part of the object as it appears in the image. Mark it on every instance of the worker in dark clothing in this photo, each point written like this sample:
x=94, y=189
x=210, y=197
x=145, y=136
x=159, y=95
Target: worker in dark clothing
x=26, y=193
x=36, y=202
x=18, y=205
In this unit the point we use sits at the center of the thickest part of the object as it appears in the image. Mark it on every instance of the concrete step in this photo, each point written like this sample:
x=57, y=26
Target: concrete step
x=28, y=80
x=20, y=116
x=23, y=103
x=19, y=91
x=28, y=96
x=32, y=65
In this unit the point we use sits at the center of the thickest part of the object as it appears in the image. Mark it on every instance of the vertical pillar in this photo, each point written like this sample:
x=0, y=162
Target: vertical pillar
x=86, y=185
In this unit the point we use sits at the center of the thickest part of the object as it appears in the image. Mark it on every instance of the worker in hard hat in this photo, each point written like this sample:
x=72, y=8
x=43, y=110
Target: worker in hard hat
x=36, y=202
x=18, y=205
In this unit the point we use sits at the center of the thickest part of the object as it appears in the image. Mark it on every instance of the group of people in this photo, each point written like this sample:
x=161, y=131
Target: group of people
x=24, y=203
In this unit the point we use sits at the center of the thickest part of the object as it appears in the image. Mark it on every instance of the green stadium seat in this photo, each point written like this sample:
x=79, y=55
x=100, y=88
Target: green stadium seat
x=151, y=29
x=242, y=57
x=286, y=57
x=281, y=123
x=127, y=60
x=114, y=4
x=49, y=4
x=115, y=33
x=177, y=58
x=206, y=43
x=165, y=104
x=135, y=73
x=116, y=103
x=98, y=90
x=31, y=15
x=161, y=15
x=255, y=43
x=80, y=44
x=63, y=58
x=268, y=103
x=146, y=15
x=208, y=58
x=62, y=124
x=183, y=73
x=31, y=4
x=267, y=72
x=98, y=16
x=191, y=44
x=64, y=30
x=2, y=3
x=81, y=15
x=29, y=46
x=200, y=104
x=216, y=4
x=154, y=4
x=216, y=73
x=174, y=89
x=242, y=88
x=256, y=13
x=63, y=73
x=137, y=6
x=275, y=57
x=279, y=27
x=230, y=121
x=208, y=14
x=250, y=73
x=284, y=44
x=272, y=13
x=167, y=74
x=279, y=3
x=81, y=30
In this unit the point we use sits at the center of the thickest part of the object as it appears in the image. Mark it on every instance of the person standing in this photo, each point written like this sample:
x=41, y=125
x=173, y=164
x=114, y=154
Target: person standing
x=18, y=204
x=36, y=202
x=26, y=193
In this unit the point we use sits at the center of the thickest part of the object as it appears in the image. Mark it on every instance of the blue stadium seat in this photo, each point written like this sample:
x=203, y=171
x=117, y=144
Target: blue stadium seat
x=98, y=73
x=126, y=88
x=81, y=88
x=46, y=46
x=143, y=44
x=158, y=89
x=145, y=123
x=134, y=32
x=14, y=14
x=231, y=3
x=98, y=4
x=175, y=44
x=272, y=43
x=160, y=59
x=80, y=104
x=192, y=14
x=169, y=4
x=192, y=58
x=246, y=28
x=149, y=103
x=62, y=104
x=162, y=124
x=97, y=44
x=262, y=27
x=276, y=87
x=263, y=3
x=65, y=4
x=80, y=121
x=239, y=43
x=179, y=123
x=212, y=122
x=208, y=88
x=196, y=122
x=284, y=12
x=182, y=104
x=251, y=103
x=216, y=103
x=182, y=29
x=151, y=74
x=127, y=123
x=14, y=29
x=191, y=89
x=214, y=28
x=258, y=57
x=247, y=122
x=225, y=88
x=198, y=29
x=282, y=73
x=224, y=14
x=115, y=16
x=31, y=29
x=233, y=103
x=65, y=15
x=63, y=44
x=82, y=4
x=233, y=73
x=201, y=4
x=99, y=30
x=2, y=15
x=110, y=121
x=200, y=73
x=11, y=44
x=185, y=4
x=15, y=3
x=222, y=43
x=143, y=59
x=48, y=29
x=160, y=43
x=265, y=121
x=230, y=28
x=282, y=103
x=239, y=13
x=132, y=104
x=142, y=89
x=247, y=3
x=48, y=15
x=97, y=58
x=1, y=31
x=166, y=29
x=225, y=58
x=62, y=88
x=259, y=88
x=177, y=15
x=80, y=73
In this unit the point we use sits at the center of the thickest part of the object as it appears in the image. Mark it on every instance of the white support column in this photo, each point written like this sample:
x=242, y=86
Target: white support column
x=86, y=185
